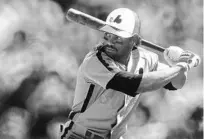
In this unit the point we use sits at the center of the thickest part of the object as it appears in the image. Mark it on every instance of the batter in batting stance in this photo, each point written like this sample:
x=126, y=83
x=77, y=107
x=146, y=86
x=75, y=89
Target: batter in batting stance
x=115, y=73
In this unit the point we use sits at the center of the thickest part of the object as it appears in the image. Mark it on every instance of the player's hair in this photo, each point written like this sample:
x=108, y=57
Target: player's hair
x=99, y=46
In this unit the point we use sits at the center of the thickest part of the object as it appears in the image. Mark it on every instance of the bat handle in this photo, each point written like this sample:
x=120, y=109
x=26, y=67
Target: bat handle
x=152, y=45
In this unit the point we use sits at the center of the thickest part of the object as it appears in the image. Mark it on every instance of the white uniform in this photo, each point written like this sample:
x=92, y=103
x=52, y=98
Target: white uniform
x=97, y=105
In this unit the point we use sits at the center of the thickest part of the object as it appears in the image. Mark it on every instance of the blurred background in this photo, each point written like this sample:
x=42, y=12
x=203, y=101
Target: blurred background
x=40, y=52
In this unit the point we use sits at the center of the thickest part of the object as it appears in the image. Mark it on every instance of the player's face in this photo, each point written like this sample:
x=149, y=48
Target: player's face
x=117, y=46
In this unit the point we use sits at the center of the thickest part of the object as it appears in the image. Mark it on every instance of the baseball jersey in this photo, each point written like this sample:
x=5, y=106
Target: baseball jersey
x=105, y=88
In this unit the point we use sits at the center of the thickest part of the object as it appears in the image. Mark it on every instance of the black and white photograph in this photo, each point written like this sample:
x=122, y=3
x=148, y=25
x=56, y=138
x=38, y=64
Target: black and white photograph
x=101, y=69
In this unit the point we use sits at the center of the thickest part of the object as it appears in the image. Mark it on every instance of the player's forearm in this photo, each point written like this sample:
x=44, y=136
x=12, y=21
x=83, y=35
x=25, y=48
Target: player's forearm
x=132, y=84
x=179, y=81
x=154, y=80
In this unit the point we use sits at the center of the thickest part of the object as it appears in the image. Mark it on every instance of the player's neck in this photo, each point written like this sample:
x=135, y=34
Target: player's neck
x=123, y=59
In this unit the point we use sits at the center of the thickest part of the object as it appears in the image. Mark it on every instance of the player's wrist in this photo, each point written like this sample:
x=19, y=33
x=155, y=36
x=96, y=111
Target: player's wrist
x=183, y=65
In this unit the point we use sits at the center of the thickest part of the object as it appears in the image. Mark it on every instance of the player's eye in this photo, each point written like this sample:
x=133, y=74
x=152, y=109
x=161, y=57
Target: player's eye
x=112, y=38
x=118, y=39
x=107, y=36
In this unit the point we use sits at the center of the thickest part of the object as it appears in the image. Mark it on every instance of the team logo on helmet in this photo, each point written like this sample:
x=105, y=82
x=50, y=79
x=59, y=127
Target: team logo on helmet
x=116, y=20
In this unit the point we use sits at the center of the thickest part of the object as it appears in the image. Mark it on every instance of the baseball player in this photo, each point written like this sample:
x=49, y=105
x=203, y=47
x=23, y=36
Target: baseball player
x=114, y=75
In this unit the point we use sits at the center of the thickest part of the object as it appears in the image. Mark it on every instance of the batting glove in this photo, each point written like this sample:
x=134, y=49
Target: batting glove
x=172, y=55
x=190, y=58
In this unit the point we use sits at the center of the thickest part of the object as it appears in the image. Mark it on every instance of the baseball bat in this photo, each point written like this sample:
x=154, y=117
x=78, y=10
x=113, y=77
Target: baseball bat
x=97, y=24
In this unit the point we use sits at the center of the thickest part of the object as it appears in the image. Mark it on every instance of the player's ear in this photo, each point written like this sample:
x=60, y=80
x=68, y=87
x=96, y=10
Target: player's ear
x=133, y=41
x=136, y=39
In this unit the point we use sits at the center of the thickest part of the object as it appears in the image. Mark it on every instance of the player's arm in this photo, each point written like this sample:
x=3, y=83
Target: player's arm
x=158, y=79
x=171, y=78
x=177, y=82
x=132, y=84
x=102, y=71
x=173, y=55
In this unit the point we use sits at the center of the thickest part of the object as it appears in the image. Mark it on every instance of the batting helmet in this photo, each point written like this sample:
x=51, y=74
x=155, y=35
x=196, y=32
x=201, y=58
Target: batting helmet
x=122, y=22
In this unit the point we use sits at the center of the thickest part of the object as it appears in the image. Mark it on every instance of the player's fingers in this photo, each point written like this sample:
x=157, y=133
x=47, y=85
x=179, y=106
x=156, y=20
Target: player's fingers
x=195, y=61
x=185, y=56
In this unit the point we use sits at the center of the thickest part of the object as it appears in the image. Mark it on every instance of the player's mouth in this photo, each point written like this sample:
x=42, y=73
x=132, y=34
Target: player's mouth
x=110, y=48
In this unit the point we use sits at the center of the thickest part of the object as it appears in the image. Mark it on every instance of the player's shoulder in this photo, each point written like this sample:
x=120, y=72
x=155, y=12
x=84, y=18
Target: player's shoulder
x=151, y=58
x=90, y=55
x=90, y=60
x=96, y=57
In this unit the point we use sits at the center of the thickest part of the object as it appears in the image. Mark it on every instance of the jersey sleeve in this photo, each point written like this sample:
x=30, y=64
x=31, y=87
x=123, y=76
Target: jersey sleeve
x=152, y=58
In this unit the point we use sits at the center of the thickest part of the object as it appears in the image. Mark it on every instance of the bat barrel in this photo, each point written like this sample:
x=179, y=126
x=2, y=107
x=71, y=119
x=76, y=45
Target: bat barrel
x=84, y=19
